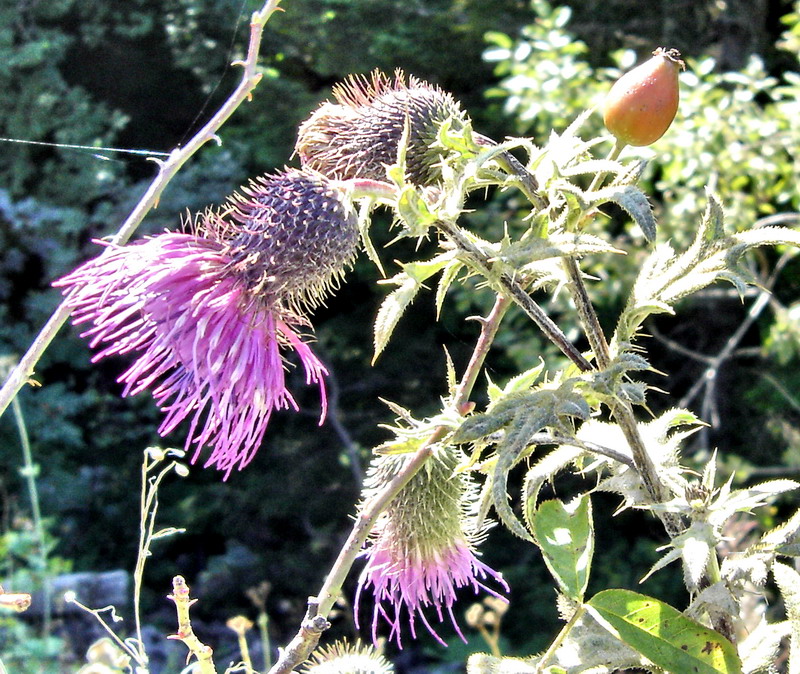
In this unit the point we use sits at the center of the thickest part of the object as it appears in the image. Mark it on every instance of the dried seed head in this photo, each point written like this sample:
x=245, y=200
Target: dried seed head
x=360, y=135
x=290, y=236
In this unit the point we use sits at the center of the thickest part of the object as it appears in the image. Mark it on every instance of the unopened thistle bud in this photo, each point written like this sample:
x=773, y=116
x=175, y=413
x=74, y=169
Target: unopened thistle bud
x=360, y=134
x=344, y=658
x=423, y=547
x=209, y=311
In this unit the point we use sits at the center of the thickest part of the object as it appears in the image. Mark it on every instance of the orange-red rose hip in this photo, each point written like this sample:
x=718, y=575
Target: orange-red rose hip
x=642, y=103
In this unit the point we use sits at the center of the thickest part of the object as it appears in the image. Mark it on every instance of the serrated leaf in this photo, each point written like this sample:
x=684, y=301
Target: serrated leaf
x=672, y=555
x=480, y=425
x=390, y=311
x=632, y=174
x=784, y=535
x=633, y=201
x=759, y=648
x=593, y=166
x=422, y=270
x=364, y=221
x=451, y=373
x=524, y=380
x=520, y=416
x=414, y=212
x=522, y=254
x=445, y=281
x=713, y=225
x=565, y=534
x=695, y=551
x=663, y=634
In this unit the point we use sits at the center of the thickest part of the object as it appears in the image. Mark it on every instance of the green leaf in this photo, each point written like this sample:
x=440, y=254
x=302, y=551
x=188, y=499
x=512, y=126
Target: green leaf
x=544, y=470
x=448, y=276
x=364, y=221
x=421, y=271
x=414, y=212
x=414, y=274
x=523, y=254
x=633, y=201
x=663, y=634
x=390, y=311
x=565, y=534
x=520, y=416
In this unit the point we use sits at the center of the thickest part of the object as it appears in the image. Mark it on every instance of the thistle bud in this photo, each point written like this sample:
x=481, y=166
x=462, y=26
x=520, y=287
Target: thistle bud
x=290, y=236
x=423, y=548
x=359, y=135
x=641, y=105
x=344, y=658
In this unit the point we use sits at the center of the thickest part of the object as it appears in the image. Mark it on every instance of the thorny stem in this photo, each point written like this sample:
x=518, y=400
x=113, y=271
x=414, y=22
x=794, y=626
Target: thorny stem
x=513, y=289
x=315, y=621
x=621, y=410
x=203, y=653
x=166, y=171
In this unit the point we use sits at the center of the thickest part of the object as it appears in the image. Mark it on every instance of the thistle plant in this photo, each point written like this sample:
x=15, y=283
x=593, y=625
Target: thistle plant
x=211, y=312
x=583, y=416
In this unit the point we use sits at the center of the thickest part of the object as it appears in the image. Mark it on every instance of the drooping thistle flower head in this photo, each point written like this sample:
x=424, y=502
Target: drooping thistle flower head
x=360, y=134
x=344, y=658
x=423, y=549
x=209, y=312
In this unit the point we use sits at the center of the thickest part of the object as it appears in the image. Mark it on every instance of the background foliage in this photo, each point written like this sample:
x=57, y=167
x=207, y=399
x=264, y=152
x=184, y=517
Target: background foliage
x=145, y=73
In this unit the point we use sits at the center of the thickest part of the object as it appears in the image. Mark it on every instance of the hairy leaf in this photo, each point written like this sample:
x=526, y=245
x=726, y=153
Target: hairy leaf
x=543, y=470
x=788, y=581
x=633, y=201
x=391, y=310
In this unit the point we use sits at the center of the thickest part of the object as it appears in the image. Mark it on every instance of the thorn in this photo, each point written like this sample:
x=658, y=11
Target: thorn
x=214, y=137
x=239, y=62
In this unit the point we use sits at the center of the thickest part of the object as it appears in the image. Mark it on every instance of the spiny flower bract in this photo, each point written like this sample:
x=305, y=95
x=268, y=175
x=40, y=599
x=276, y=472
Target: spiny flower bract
x=208, y=312
x=344, y=658
x=360, y=134
x=423, y=547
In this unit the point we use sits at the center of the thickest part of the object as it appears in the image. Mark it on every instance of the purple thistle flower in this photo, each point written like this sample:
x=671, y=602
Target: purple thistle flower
x=210, y=313
x=423, y=549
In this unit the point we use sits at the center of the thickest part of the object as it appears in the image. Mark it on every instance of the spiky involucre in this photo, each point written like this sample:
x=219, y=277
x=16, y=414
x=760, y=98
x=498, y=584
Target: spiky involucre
x=290, y=237
x=360, y=135
x=344, y=658
x=423, y=548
